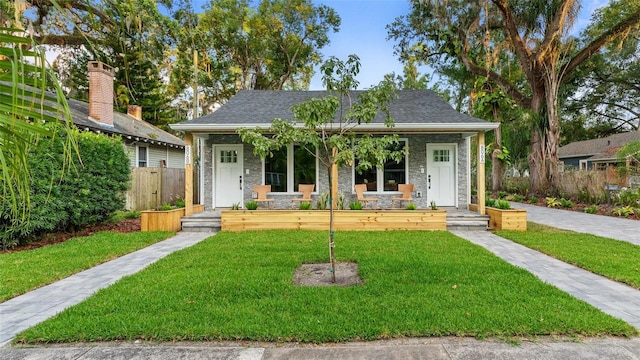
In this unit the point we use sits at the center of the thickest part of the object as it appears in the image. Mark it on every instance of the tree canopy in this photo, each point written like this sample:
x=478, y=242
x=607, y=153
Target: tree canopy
x=523, y=47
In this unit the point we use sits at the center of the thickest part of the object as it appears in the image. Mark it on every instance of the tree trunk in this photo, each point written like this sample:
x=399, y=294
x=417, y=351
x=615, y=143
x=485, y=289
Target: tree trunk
x=545, y=136
x=332, y=258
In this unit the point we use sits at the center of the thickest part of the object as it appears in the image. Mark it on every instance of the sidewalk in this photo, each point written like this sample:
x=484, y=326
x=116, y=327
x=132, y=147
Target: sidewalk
x=25, y=311
x=431, y=348
x=607, y=226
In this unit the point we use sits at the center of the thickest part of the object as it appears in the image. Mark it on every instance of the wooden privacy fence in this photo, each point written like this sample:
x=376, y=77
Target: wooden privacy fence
x=152, y=187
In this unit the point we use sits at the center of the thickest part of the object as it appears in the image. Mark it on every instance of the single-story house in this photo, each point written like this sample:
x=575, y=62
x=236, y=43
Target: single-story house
x=595, y=154
x=438, y=162
x=146, y=145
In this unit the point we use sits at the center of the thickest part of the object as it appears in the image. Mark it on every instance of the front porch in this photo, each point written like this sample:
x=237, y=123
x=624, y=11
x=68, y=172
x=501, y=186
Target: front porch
x=421, y=219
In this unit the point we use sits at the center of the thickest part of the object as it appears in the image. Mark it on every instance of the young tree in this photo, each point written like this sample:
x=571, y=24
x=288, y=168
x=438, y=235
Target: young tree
x=534, y=34
x=326, y=127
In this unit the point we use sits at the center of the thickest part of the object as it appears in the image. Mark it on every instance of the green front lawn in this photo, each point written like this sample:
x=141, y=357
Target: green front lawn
x=239, y=286
x=614, y=259
x=27, y=270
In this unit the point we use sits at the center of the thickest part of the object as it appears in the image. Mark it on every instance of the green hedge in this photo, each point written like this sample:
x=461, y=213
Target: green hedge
x=63, y=199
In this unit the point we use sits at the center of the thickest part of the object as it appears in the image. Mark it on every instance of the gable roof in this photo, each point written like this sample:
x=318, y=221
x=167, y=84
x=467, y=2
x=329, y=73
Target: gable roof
x=123, y=124
x=412, y=110
x=598, y=149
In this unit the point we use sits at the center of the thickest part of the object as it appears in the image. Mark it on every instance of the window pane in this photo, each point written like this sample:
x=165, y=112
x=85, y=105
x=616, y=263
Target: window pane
x=368, y=177
x=142, y=157
x=275, y=170
x=304, y=167
x=395, y=172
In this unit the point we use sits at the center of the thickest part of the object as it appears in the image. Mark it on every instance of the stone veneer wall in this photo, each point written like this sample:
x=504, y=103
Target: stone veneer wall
x=417, y=157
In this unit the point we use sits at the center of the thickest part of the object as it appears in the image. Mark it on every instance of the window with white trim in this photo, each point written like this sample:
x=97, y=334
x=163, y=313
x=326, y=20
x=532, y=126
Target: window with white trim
x=387, y=177
x=143, y=157
x=289, y=167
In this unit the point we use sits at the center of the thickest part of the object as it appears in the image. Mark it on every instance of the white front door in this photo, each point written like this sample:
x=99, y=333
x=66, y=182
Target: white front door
x=441, y=174
x=228, y=183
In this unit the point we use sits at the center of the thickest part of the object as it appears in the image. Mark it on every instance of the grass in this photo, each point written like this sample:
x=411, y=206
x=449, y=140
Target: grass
x=27, y=270
x=239, y=286
x=614, y=259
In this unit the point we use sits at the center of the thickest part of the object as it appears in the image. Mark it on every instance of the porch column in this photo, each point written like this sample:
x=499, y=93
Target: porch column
x=480, y=172
x=188, y=175
x=334, y=181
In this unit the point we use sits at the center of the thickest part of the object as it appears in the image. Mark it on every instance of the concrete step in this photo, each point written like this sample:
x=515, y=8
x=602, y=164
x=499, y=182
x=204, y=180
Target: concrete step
x=200, y=219
x=201, y=226
x=478, y=224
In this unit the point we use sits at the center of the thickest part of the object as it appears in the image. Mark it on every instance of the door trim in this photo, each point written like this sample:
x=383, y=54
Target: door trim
x=214, y=148
x=455, y=168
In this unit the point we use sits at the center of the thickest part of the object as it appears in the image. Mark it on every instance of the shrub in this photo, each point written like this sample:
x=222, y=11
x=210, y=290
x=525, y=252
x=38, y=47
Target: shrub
x=502, y=194
x=340, y=201
x=321, y=202
x=251, y=205
x=623, y=211
x=533, y=200
x=305, y=205
x=180, y=203
x=591, y=209
x=165, y=207
x=519, y=198
x=89, y=192
x=410, y=206
x=433, y=205
x=235, y=206
x=490, y=202
x=553, y=202
x=503, y=204
x=566, y=203
x=628, y=197
x=356, y=205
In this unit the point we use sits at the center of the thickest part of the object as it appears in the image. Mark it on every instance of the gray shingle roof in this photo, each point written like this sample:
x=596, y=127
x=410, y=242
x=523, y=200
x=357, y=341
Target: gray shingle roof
x=259, y=107
x=598, y=148
x=123, y=124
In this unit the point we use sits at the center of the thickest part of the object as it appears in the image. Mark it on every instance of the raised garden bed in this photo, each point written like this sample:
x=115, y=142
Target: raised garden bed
x=241, y=220
x=165, y=220
x=505, y=219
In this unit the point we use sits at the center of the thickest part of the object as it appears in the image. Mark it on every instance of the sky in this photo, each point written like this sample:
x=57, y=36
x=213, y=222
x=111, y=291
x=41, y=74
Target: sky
x=363, y=32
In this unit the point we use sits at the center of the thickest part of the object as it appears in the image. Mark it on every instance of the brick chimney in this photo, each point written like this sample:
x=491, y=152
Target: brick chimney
x=101, y=92
x=135, y=111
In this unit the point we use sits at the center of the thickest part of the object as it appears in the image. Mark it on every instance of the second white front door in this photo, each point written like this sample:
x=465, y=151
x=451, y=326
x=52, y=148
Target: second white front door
x=441, y=174
x=228, y=183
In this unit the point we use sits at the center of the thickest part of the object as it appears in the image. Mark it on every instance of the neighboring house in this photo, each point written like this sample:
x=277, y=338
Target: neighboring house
x=437, y=136
x=595, y=154
x=146, y=145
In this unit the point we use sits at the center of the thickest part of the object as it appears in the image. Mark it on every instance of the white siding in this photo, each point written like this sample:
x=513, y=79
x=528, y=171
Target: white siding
x=176, y=158
x=156, y=154
x=130, y=149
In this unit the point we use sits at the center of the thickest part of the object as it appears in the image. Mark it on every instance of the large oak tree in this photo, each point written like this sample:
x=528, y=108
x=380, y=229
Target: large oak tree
x=534, y=34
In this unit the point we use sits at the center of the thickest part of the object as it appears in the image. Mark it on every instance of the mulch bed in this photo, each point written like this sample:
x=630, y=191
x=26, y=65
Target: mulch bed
x=124, y=226
x=603, y=209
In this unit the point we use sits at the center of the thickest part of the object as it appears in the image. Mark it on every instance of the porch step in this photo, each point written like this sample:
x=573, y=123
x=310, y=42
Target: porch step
x=467, y=221
x=211, y=223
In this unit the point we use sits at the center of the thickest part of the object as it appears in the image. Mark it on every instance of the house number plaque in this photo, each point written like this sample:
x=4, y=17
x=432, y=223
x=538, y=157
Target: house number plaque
x=187, y=155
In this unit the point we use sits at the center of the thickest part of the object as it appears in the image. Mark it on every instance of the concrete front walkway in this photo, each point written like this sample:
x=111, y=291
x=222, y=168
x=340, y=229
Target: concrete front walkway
x=607, y=226
x=611, y=297
x=25, y=311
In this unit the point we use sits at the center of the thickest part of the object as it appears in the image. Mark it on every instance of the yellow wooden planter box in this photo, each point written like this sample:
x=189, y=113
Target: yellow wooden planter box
x=161, y=220
x=511, y=219
x=241, y=220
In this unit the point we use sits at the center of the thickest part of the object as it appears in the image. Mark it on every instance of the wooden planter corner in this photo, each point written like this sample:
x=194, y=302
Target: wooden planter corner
x=510, y=219
x=242, y=220
x=165, y=220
